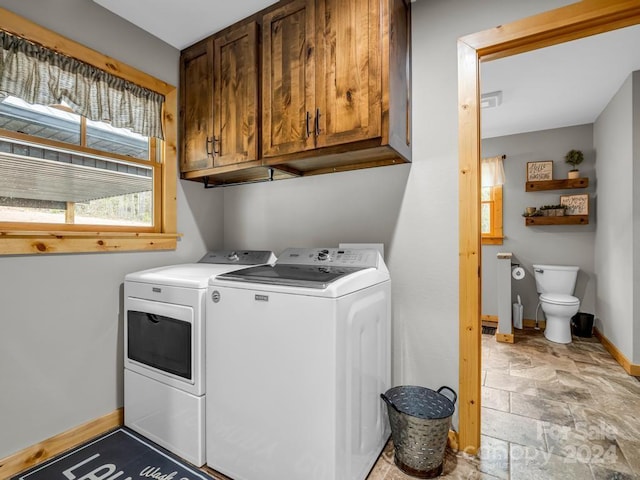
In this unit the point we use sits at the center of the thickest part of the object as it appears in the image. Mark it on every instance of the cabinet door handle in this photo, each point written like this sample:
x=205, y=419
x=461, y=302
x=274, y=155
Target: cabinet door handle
x=317, y=122
x=210, y=151
x=216, y=141
x=307, y=119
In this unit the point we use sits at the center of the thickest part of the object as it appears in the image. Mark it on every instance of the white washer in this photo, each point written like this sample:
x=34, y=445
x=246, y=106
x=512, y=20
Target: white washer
x=299, y=353
x=164, y=352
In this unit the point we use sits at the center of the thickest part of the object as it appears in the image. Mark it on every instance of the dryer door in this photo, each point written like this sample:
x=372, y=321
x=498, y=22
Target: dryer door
x=159, y=341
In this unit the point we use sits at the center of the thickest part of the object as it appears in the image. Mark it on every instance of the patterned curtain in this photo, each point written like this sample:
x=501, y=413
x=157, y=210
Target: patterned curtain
x=38, y=75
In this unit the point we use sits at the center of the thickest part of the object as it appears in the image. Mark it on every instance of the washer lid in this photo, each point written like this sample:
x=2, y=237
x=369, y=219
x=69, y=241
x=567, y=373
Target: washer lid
x=559, y=299
x=310, y=276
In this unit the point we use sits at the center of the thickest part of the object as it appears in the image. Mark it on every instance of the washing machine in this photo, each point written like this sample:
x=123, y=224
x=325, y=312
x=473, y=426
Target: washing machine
x=164, y=351
x=299, y=352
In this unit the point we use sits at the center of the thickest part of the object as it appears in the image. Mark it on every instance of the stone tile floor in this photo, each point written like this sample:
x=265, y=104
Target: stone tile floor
x=550, y=411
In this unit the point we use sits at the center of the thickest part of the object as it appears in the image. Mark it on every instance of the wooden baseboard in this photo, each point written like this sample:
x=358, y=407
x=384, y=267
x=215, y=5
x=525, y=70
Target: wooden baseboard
x=505, y=337
x=531, y=323
x=492, y=321
x=489, y=320
x=57, y=444
x=619, y=357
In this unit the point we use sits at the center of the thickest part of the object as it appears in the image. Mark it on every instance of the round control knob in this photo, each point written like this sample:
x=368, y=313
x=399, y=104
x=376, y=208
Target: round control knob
x=323, y=255
x=233, y=256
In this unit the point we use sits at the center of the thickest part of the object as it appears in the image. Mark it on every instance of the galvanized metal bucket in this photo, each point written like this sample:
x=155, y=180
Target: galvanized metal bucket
x=420, y=420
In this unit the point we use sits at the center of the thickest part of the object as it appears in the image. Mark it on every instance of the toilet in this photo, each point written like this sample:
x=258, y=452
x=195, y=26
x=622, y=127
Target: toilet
x=555, y=285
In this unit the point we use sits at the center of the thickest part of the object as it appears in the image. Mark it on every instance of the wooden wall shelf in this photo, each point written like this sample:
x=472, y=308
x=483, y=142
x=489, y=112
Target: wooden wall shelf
x=564, y=220
x=566, y=183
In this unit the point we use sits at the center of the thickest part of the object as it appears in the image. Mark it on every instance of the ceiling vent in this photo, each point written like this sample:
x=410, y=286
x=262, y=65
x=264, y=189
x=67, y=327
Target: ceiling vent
x=491, y=99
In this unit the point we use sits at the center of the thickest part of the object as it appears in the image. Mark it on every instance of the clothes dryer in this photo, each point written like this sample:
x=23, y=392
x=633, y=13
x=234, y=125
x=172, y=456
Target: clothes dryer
x=164, y=335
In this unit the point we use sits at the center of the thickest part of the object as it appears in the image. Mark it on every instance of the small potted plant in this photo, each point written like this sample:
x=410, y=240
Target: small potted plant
x=574, y=158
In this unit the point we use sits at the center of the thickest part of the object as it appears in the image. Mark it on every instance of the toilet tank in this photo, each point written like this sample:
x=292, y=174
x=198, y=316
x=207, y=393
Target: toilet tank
x=555, y=278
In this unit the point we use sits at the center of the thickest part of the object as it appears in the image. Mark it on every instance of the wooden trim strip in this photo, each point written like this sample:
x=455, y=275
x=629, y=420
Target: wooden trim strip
x=57, y=444
x=20, y=245
x=87, y=234
x=26, y=29
x=469, y=249
x=571, y=22
x=619, y=357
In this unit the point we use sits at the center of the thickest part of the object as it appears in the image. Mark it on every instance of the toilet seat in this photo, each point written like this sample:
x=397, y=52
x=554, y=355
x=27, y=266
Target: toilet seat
x=559, y=299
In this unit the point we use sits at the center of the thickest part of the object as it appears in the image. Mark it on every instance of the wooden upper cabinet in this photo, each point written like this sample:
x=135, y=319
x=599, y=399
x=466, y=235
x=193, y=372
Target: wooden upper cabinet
x=348, y=80
x=321, y=74
x=288, y=78
x=236, y=95
x=302, y=87
x=196, y=106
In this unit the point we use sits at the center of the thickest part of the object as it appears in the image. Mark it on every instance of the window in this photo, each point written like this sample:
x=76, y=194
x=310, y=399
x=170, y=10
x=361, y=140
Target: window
x=491, y=215
x=70, y=184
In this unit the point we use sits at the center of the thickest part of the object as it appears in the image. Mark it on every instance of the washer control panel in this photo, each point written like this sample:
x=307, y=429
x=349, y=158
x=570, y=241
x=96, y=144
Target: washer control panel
x=238, y=257
x=351, y=257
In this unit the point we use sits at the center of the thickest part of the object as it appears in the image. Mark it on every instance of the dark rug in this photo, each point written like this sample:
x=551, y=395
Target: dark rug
x=489, y=330
x=118, y=455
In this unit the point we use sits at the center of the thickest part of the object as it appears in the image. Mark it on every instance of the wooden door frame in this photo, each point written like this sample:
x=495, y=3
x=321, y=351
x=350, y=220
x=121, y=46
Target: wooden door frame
x=578, y=20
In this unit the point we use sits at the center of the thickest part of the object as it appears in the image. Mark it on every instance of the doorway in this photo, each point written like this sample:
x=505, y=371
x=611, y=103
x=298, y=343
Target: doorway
x=572, y=22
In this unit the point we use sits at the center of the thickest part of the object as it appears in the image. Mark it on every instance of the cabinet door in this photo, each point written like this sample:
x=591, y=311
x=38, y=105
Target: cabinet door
x=288, y=80
x=196, y=106
x=236, y=96
x=349, y=79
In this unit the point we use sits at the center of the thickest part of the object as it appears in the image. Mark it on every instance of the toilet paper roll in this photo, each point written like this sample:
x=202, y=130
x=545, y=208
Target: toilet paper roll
x=517, y=273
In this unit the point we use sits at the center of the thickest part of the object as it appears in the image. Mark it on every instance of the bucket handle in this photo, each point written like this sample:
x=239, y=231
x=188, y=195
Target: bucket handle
x=389, y=402
x=455, y=396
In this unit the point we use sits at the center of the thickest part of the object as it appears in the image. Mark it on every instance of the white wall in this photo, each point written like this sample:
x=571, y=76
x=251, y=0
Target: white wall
x=412, y=209
x=616, y=209
x=553, y=244
x=61, y=315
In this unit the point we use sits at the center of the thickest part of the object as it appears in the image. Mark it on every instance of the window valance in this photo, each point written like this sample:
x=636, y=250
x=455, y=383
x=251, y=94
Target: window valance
x=492, y=171
x=39, y=75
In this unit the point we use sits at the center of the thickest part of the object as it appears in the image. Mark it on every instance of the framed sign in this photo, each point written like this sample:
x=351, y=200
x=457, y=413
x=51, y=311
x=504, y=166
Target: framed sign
x=539, y=171
x=576, y=204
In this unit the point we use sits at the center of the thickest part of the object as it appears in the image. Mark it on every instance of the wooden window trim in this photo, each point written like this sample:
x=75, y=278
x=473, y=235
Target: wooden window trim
x=62, y=239
x=495, y=235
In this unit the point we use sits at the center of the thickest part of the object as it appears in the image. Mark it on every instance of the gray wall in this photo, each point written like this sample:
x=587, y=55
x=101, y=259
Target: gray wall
x=618, y=210
x=61, y=316
x=61, y=343
x=553, y=244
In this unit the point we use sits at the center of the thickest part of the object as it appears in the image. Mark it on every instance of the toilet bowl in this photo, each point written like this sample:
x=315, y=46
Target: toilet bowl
x=558, y=309
x=555, y=284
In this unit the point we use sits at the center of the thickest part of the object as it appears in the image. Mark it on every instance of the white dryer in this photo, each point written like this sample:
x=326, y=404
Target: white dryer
x=164, y=335
x=299, y=353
